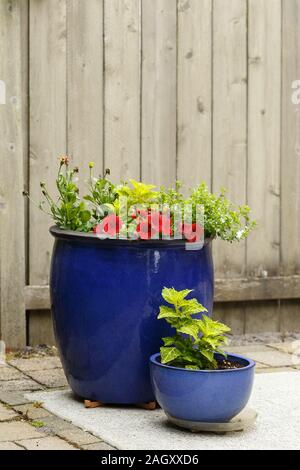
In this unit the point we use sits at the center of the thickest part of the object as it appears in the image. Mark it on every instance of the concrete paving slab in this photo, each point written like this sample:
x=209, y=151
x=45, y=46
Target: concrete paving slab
x=9, y=373
x=77, y=436
x=275, y=398
x=268, y=370
x=98, y=446
x=12, y=398
x=288, y=347
x=50, y=378
x=271, y=358
x=260, y=366
x=17, y=430
x=32, y=412
x=6, y=414
x=9, y=446
x=36, y=363
x=248, y=347
x=46, y=443
x=23, y=384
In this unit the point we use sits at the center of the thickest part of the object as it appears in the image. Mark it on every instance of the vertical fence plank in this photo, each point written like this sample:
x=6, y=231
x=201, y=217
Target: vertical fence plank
x=122, y=88
x=264, y=48
x=159, y=29
x=194, y=92
x=85, y=83
x=230, y=118
x=230, y=124
x=13, y=50
x=290, y=156
x=264, y=135
x=47, y=119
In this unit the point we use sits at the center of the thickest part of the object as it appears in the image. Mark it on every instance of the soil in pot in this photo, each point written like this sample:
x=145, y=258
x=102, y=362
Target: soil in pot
x=225, y=364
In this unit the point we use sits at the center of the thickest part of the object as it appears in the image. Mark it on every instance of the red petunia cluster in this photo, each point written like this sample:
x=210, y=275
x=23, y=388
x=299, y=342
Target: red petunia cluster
x=149, y=224
x=110, y=226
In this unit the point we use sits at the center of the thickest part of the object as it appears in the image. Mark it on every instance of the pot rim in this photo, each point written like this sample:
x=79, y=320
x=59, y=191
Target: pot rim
x=251, y=364
x=56, y=232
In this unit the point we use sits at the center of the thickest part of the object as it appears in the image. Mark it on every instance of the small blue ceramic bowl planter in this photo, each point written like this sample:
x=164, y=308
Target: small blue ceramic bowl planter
x=214, y=396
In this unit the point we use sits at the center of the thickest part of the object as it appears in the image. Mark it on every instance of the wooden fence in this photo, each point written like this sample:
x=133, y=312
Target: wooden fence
x=157, y=90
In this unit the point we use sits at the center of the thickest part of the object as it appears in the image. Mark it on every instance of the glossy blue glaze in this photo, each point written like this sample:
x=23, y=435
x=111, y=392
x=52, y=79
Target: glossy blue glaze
x=202, y=395
x=105, y=297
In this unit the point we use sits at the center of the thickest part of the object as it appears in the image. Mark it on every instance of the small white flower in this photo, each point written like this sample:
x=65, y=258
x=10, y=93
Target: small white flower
x=239, y=234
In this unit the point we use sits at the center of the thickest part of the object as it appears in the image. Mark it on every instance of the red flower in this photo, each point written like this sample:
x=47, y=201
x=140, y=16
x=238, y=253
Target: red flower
x=162, y=223
x=110, y=225
x=191, y=232
x=143, y=230
x=138, y=213
x=153, y=222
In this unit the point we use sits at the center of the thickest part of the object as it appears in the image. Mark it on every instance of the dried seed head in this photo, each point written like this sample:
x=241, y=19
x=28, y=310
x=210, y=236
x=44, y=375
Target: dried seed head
x=64, y=160
x=107, y=171
x=76, y=169
x=42, y=184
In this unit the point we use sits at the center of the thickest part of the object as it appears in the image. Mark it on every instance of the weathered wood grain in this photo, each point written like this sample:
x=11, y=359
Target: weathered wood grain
x=85, y=85
x=122, y=88
x=264, y=123
x=13, y=137
x=290, y=140
x=158, y=140
x=194, y=92
x=226, y=290
x=40, y=328
x=290, y=157
x=229, y=159
x=230, y=120
x=48, y=121
x=263, y=171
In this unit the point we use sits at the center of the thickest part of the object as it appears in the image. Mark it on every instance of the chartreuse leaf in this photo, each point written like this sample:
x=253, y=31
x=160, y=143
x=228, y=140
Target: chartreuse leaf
x=211, y=327
x=168, y=341
x=192, y=306
x=167, y=312
x=175, y=297
x=139, y=193
x=190, y=328
x=208, y=354
x=169, y=354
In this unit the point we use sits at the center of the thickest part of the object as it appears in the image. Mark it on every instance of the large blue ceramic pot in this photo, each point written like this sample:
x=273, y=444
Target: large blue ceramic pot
x=202, y=395
x=105, y=297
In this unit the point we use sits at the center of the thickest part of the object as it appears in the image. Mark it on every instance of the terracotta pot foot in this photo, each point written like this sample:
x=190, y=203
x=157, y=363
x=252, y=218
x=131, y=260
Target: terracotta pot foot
x=152, y=405
x=92, y=404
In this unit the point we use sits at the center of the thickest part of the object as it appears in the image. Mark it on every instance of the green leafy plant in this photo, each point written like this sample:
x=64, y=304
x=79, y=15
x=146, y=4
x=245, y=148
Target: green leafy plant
x=102, y=195
x=138, y=193
x=171, y=196
x=196, y=340
x=219, y=216
x=68, y=211
x=222, y=219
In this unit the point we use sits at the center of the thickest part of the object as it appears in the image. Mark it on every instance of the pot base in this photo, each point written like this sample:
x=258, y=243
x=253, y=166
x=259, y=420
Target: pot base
x=151, y=405
x=244, y=419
